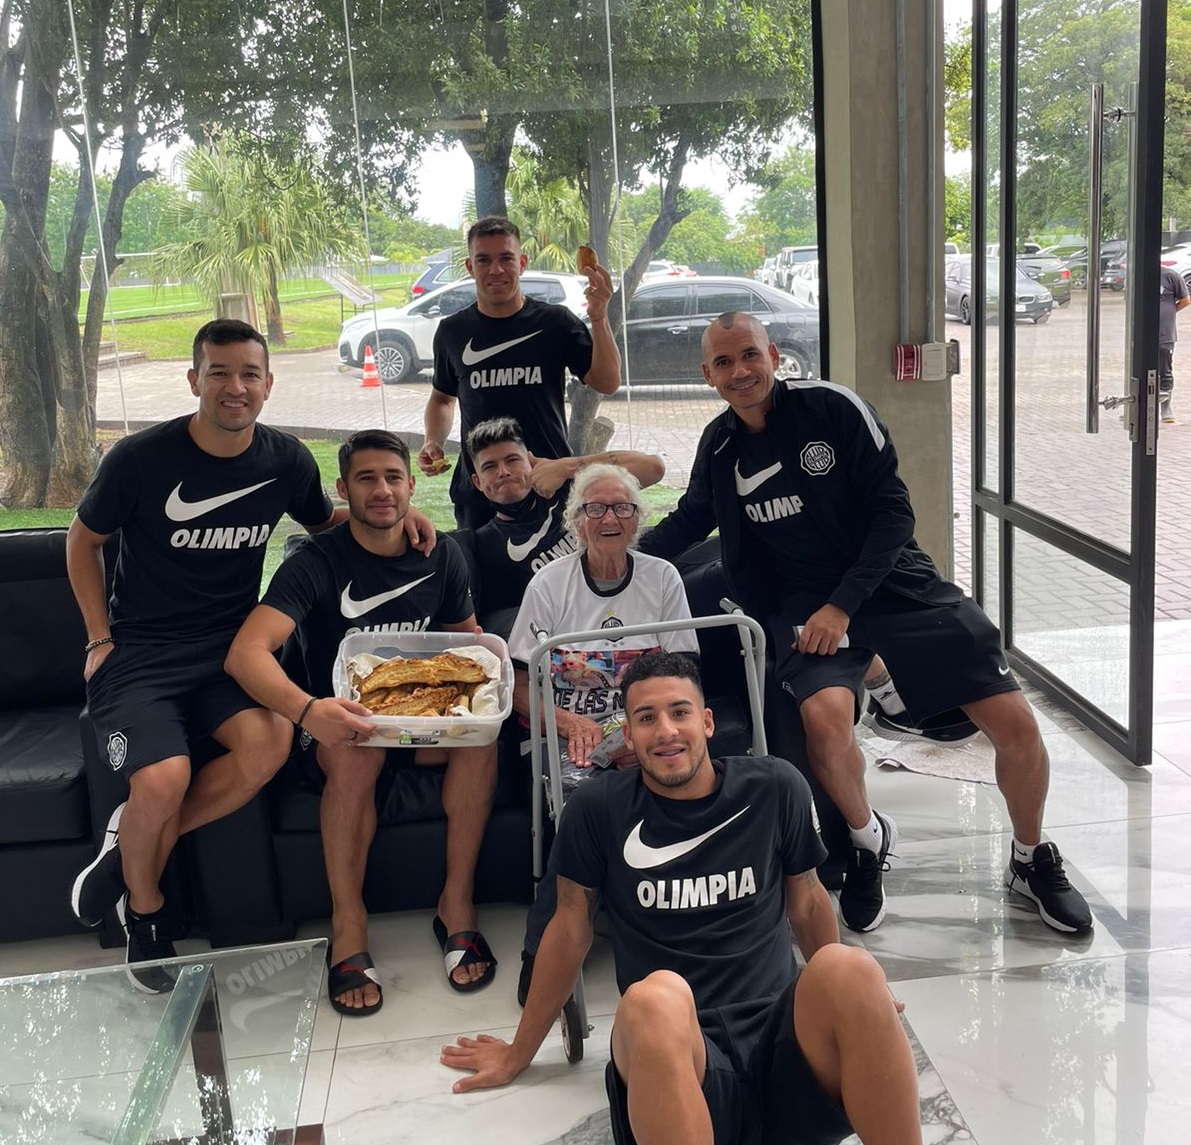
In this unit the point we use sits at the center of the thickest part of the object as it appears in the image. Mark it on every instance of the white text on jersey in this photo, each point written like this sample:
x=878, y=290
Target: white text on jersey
x=232, y=537
x=693, y=894
x=773, y=510
x=507, y=376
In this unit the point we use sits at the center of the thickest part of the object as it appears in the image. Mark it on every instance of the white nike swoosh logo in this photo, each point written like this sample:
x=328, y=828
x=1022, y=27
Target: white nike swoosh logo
x=640, y=856
x=748, y=485
x=1004, y=671
x=178, y=510
x=354, y=609
x=471, y=357
x=519, y=552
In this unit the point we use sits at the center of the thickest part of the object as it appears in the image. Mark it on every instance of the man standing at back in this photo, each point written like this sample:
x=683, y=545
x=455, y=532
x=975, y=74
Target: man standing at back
x=508, y=355
x=194, y=500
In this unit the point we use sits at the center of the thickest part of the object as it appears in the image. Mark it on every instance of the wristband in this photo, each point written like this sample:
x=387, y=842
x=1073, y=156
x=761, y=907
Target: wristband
x=305, y=709
x=99, y=643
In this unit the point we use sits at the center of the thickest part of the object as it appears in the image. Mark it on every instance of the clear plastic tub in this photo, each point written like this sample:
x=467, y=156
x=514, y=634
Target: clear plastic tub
x=428, y=731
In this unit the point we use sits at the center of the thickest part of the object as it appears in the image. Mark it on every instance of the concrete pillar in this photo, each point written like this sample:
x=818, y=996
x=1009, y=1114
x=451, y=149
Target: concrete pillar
x=860, y=133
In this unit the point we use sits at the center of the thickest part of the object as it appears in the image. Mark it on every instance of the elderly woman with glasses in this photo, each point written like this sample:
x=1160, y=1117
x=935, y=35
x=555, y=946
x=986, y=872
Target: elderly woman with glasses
x=600, y=586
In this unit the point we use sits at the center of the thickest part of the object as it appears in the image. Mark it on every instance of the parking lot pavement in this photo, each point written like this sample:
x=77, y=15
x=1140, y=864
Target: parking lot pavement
x=1081, y=479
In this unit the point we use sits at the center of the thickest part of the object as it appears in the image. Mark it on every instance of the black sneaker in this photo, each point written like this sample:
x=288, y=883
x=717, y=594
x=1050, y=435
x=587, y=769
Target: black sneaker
x=862, y=901
x=147, y=943
x=951, y=727
x=527, y=961
x=1045, y=883
x=101, y=883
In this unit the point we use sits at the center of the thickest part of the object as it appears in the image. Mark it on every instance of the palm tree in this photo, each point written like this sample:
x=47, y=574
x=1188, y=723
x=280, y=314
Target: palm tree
x=551, y=217
x=250, y=219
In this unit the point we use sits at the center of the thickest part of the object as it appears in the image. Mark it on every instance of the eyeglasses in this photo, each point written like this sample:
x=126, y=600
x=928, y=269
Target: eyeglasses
x=597, y=509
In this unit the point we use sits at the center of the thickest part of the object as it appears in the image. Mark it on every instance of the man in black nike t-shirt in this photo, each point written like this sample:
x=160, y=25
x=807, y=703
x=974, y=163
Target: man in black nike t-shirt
x=817, y=531
x=509, y=355
x=704, y=868
x=364, y=576
x=529, y=494
x=194, y=501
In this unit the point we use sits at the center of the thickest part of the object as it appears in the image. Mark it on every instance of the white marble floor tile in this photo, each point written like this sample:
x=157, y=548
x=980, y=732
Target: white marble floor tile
x=1073, y=1054
x=1172, y=741
x=398, y=1093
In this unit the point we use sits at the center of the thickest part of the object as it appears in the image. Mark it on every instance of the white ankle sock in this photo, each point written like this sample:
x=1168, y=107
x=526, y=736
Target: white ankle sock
x=870, y=836
x=886, y=695
x=1022, y=853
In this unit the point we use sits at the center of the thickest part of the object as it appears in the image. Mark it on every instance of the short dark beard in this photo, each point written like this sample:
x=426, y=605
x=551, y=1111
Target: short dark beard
x=678, y=780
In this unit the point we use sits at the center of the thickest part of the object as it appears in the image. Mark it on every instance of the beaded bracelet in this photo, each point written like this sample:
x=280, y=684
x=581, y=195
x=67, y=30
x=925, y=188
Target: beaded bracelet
x=99, y=643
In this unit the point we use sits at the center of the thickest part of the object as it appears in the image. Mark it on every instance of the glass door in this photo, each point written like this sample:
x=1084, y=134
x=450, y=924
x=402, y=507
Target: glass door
x=1067, y=103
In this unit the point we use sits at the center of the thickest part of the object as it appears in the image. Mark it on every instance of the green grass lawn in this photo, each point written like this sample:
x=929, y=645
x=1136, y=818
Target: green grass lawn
x=161, y=322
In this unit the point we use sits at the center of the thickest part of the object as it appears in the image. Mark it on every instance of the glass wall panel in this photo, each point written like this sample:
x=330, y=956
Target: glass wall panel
x=312, y=164
x=1074, y=620
x=1079, y=478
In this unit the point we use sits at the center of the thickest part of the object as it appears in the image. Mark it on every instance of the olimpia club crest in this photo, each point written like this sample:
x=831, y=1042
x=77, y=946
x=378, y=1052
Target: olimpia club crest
x=817, y=458
x=117, y=750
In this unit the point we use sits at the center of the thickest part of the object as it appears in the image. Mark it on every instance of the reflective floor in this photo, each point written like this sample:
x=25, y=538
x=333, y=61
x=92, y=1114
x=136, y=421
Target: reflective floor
x=1024, y=1037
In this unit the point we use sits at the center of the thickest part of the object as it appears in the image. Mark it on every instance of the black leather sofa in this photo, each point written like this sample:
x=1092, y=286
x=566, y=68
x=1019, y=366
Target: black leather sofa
x=253, y=876
x=46, y=831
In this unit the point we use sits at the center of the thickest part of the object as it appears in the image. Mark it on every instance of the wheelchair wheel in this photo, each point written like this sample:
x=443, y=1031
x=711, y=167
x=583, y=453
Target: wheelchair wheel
x=573, y=1032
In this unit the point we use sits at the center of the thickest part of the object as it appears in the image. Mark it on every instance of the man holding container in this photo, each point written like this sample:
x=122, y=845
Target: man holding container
x=364, y=576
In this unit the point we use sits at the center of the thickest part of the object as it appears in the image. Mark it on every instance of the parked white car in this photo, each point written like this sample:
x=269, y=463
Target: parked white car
x=804, y=282
x=402, y=337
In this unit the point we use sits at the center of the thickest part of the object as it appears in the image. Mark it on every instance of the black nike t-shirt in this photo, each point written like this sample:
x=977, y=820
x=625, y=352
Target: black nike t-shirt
x=696, y=886
x=779, y=534
x=193, y=527
x=508, y=553
x=333, y=586
x=510, y=367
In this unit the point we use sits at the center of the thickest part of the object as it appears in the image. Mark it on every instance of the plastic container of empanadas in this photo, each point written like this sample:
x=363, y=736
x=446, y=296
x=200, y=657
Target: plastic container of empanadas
x=472, y=721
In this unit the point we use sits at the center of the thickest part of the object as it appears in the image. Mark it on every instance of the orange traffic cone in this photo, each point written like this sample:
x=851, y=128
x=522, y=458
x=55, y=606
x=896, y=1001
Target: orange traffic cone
x=371, y=373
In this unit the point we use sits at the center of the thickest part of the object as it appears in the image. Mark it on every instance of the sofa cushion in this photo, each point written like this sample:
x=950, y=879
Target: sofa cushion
x=41, y=630
x=43, y=795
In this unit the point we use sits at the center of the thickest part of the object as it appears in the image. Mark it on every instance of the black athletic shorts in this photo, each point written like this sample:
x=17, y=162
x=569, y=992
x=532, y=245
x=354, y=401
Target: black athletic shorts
x=153, y=701
x=758, y=1086
x=941, y=656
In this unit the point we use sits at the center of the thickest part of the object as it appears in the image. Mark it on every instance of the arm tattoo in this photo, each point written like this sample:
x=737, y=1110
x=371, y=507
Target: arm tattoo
x=810, y=878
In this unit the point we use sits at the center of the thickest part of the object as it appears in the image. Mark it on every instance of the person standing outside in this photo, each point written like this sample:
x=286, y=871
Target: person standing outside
x=818, y=540
x=1173, y=298
x=508, y=355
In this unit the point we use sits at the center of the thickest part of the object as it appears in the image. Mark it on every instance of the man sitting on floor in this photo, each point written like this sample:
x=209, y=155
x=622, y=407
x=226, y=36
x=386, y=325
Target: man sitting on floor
x=363, y=575
x=704, y=868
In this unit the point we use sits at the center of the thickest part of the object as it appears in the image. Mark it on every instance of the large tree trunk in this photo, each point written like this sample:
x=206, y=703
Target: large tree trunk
x=27, y=125
x=490, y=149
x=24, y=427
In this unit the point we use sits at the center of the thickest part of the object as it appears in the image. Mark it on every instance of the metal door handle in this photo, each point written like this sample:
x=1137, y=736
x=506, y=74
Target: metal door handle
x=1095, y=188
x=675, y=329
